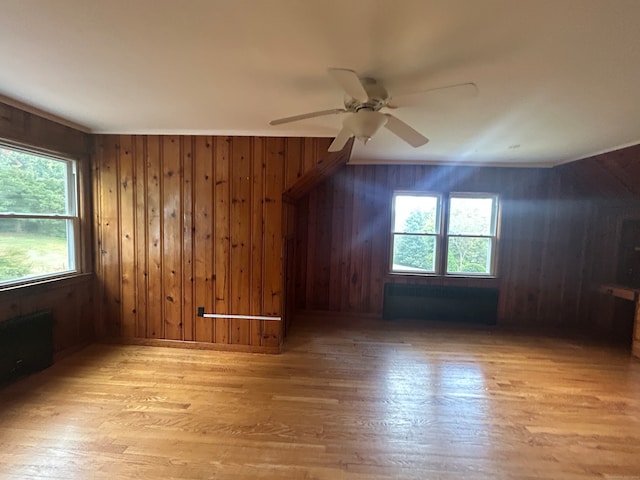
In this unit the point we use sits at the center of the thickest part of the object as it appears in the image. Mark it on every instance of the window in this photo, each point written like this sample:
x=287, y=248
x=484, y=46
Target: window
x=416, y=228
x=471, y=234
x=38, y=216
x=455, y=234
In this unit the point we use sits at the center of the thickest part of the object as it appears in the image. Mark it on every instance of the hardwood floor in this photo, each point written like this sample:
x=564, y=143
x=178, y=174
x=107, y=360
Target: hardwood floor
x=374, y=400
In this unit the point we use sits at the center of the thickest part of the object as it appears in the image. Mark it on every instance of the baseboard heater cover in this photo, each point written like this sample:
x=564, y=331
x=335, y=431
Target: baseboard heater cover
x=437, y=302
x=239, y=317
x=26, y=345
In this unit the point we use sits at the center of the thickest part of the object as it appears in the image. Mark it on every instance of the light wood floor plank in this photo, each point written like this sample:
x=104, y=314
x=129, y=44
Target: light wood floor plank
x=346, y=400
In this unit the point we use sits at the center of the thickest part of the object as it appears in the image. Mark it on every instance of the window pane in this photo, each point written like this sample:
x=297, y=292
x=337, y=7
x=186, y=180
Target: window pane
x=414, y=253
x=469, y=255
x=471, y=216
x=32, y=184
x=30, y=248
x=416, y=214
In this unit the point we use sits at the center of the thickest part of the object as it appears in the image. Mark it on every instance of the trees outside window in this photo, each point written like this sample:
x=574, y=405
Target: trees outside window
x=456, y=235
x=415, y=232
x=38, y=215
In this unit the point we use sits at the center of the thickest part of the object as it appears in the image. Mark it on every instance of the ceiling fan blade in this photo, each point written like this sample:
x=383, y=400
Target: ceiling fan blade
x=304, y=116
x=341, y=140
x=405, y=132
x=458, y=91
x=350, y=83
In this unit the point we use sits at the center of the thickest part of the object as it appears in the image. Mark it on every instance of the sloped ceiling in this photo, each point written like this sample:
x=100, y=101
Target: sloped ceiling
x=557, y=79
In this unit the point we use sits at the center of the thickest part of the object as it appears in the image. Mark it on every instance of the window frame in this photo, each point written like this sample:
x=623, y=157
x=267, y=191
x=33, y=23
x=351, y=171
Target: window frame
x=438, y=235
x=493, y=239
x=72, y=217
x=442, y=238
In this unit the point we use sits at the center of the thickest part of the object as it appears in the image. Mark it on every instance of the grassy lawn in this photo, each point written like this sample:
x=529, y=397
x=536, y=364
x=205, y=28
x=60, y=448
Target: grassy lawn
x=26, y=255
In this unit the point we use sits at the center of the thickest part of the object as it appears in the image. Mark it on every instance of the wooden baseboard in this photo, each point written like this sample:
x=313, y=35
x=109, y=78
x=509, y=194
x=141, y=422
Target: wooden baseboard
x=221, y=347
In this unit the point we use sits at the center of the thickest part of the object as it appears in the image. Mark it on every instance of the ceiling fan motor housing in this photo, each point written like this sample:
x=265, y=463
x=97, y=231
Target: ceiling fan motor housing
x=378, y=97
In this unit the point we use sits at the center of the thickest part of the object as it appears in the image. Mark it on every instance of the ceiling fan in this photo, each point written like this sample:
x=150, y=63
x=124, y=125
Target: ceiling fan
x=364, y=99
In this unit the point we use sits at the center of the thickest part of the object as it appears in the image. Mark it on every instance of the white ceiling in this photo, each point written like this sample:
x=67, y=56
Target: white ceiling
x=557, y=79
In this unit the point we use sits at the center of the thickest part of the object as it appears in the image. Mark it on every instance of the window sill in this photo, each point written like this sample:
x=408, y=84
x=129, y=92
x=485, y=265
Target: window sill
x=31, y=287
x=437, y=275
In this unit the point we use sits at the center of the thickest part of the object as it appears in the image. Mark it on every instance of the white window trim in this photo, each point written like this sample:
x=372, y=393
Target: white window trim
x=442, y=238
x=72, y=219
x=437, y=234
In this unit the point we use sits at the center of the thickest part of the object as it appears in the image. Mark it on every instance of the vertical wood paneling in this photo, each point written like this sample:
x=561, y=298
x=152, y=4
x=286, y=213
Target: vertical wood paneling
x=127, y=237
x=294, y=159
x=256, y=272
x=273, y=233
x=311, y=259
x=302, y=230
x=198, y=221
x=154, y=238
x=188, y=306
x=323, y=252
x=379, y=243
x=345, y=279
x=357, y=239
x=109, y=275
x=309, y=154
x=240, y=233
x=368, y=217
x=352, y=213
x=141, y=240
x=172, y=244
x=337, y=237
x=222, y=247
x=204, y=250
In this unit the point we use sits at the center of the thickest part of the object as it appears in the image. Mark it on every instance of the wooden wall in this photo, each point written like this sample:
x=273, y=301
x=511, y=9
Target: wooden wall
x=188, y=221
x=70, y=299
x=183, y=221
x=611, y=183
x=343, y=240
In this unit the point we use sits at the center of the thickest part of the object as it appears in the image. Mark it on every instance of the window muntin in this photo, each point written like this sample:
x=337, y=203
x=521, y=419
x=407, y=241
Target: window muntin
x=471, y=234
x=456, y=235
x=416, y=228
x=39, y=222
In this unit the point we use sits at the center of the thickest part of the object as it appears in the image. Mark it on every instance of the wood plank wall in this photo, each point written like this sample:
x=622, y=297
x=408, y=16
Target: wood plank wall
x=343, y=240
x=188, y=221
x=611, y=183
x=70, y=299
x=71, y=304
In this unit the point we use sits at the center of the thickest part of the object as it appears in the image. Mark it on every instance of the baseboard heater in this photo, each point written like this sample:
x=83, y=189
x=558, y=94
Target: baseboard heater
x=26, y=345
x=437, y=302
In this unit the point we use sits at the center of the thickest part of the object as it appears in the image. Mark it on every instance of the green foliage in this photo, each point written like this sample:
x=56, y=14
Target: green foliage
x=416, y=251
x=25, y=255
x=464, y=254
x=31, y=184
x=468, y=255
x=14, y=263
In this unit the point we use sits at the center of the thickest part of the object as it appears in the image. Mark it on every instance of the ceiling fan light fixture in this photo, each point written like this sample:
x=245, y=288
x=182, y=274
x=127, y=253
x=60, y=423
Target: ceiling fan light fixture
x=365, y=123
